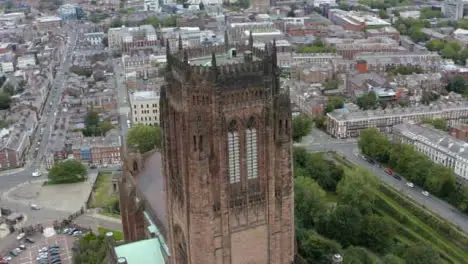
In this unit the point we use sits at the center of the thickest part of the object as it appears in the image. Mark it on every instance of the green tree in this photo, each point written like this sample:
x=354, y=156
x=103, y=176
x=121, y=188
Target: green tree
x=315, y=248
x=301, y=127
x=91, y=124
x=422, y=254
x=375, y=145
x=69, y=171
x=392, y=259
x=428, y=13
x=90, y=249
x=117, y=22
x=334, y=102
x=5, y=101
x=359, y=255
x=309, y=201
x=383, y=14
x=356, y=189
x=201, y=5
x=320, y=122
x=367, y=101
x=105, y=126
x=300, y=157
x=326, y=173
x=440, y=180
x=342, y=225
x=145, y=137
x=457, y=85
x=377, y=234
x=462, y=24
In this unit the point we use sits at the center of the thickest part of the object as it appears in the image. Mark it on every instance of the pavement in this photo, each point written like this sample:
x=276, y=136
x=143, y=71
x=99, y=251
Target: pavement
x=318, y=141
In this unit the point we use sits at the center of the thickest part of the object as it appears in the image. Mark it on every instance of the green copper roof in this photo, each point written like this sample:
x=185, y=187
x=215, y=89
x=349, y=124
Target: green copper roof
x=143, y=251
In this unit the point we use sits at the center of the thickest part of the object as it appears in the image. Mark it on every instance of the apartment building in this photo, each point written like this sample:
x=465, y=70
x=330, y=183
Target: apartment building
x=140, y=66
x=145, y=107
x=381, y=61
x=346, y=123
x=436, y=145
x=352, y=20
x=26, y=61
x=16, y=139
x=389, y=32
x=48, y=23
x=126, y=39
x=349, y=48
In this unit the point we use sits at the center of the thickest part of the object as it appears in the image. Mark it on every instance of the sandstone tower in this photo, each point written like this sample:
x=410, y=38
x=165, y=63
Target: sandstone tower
x=226, y=154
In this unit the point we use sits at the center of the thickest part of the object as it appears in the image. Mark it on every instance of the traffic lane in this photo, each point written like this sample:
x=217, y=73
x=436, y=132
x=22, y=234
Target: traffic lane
x=9, y=181
x=434, y=204
x=34, y=217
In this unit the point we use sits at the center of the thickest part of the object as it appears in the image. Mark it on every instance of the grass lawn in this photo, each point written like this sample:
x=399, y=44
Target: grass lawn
x=411, y=229
x=118, y=235
x=104, y=197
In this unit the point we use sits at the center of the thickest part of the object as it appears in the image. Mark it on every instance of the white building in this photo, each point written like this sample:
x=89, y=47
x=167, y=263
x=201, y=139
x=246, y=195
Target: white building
x=94, y=38
x=7, y=67
x=145, y=107
x=345, y=123
x=436, y=145
x=151, y=5
x=26, y=61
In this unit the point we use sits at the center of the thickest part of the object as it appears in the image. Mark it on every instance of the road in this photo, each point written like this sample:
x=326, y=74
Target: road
x=350, y=151
x=124, y=108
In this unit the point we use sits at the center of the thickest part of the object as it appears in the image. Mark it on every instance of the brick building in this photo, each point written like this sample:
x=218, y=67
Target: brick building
x=227, y=168
x=459, y=131
x=48, y=23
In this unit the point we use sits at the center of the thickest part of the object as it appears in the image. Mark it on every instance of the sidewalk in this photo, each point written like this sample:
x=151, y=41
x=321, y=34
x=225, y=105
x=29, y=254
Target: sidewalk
x=12, y=171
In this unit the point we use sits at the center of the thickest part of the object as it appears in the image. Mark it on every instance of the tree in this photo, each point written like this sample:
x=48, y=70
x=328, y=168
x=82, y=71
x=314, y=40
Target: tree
x=5, y=101
x=440, y=180
x=326, y=173
x=145, y=137
x=367, y=101
x=334, y=102
x=315, y=248
x=116, y=23
x=300, y=157
x=359, y=255
x=69, y=171
x=90, y=249
x=383, y=14
x=422, y=254
x=301, y=127
x=392, y=259
x=331, y=84
x=435, y=44
x=457, y=85
x=309, y=201
x=462, y=24
x=377, y=234
x=356, y=189
x=375, y=145
x=201, y=5
x=342, y=225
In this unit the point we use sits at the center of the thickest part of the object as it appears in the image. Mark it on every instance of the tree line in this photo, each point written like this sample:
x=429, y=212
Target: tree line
x=350, y=224
x=414, y=166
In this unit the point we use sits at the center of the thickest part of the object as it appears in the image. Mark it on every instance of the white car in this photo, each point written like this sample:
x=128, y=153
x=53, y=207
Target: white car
x=425, y=193
x=410, y=184
x=35, y=207
x=36, y=174
x=20, y=236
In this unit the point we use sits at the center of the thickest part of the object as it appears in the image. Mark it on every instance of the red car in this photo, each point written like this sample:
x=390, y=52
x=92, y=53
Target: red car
x=389, y=171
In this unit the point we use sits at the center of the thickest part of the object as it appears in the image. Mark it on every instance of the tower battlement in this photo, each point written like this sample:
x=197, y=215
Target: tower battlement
x=223, y=63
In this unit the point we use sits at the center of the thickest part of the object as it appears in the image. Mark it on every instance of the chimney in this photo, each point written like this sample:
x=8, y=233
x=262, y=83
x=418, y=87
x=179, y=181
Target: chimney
x=361, y=66
x=122, y=261
x=336, y=259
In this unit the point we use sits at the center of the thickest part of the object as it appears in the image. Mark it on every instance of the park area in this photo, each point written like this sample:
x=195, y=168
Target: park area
x=104, y=198
x=344, y=209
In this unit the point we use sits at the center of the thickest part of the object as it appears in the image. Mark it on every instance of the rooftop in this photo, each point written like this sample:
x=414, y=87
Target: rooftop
x=221, y=59
x=144, y=95
x=143, y=251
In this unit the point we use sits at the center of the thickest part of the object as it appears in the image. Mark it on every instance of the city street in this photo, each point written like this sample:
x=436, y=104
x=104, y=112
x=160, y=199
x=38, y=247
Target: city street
x=124, y=109
x=349, y=150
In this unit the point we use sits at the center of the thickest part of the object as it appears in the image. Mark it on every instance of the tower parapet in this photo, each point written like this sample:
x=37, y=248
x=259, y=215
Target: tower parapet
x=226, y=65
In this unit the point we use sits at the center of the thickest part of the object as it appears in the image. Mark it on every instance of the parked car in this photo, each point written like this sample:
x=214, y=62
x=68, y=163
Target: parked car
x=396, y=176
x=410, y=184
x=20, y=236
x=425, y=193
x=388, y=171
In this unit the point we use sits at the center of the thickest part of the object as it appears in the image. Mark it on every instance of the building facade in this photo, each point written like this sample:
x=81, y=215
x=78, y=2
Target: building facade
x=436, y=145
x=145, y=107
x=345, y=124
x=126, y=39
x=227, y=157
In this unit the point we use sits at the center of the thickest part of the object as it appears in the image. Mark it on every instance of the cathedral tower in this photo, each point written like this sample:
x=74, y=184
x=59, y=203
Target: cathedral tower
x=227, y=150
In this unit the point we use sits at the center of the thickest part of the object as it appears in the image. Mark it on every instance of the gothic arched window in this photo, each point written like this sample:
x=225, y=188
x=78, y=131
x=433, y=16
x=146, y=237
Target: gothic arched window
x=251, y=149
x=233, y=153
